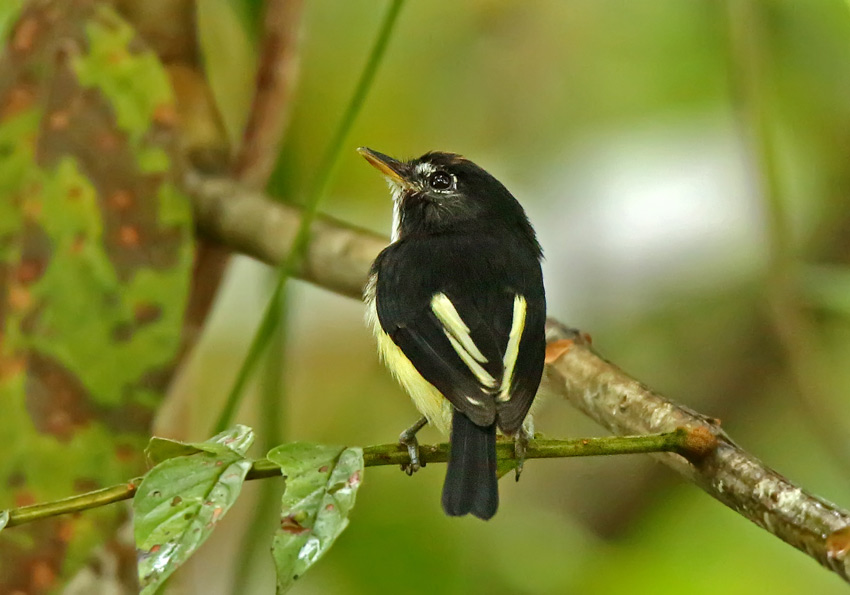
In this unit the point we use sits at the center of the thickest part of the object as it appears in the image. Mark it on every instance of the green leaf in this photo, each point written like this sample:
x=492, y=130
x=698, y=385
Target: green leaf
x=4, y=518
x=181, y=501
x=321, y=486
x=162, y=449
x=237, y=439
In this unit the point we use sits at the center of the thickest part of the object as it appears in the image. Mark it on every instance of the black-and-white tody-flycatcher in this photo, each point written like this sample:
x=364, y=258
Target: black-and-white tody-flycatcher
x=458, y=307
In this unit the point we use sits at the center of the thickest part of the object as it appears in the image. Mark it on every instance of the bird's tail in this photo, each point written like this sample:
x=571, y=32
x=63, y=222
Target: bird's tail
x=470, y=485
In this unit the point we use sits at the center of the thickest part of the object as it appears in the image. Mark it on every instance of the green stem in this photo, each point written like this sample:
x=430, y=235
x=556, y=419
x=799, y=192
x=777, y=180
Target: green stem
x=258, y=344
x=319, y=189
x=677, y=441
x=95, y=499
x=261, y=527
x=688, y=443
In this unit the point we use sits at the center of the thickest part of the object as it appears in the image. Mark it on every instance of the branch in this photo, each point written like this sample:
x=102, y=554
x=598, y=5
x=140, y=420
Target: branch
x=731, y=475
x=687, y=443
x=272, y=105
x=338, y=258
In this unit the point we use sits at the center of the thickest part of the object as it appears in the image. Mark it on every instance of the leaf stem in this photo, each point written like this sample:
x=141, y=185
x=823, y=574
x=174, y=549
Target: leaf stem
x=690, y=443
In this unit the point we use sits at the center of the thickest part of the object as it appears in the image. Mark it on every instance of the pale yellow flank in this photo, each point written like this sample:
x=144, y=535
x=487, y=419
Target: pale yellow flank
x=428, y=400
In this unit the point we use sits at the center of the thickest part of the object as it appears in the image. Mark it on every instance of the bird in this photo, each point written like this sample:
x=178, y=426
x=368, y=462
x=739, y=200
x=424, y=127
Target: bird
x=458, y=307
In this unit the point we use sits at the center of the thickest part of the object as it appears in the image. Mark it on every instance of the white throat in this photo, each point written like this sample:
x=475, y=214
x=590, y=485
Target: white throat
x=397, y=192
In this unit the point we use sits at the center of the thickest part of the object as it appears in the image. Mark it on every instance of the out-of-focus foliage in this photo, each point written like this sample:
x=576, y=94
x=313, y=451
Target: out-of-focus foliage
x=617, y=126
x=95, y=254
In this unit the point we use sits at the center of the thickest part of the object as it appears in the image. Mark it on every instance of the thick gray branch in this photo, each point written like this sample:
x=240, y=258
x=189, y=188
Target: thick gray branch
x=735, y=477
x=338, y=259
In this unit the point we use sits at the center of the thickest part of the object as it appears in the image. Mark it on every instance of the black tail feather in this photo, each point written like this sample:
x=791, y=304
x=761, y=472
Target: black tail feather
x=471, y=483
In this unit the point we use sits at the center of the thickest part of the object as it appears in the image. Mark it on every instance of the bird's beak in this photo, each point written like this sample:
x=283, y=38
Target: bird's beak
x=396, y=171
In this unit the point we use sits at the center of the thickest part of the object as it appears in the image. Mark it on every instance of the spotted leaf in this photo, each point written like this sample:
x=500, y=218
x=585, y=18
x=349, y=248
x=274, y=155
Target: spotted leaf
x=182, y=499
x=321, y=486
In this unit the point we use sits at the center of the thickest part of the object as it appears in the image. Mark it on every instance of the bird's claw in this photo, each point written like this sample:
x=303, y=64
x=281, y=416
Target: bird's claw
x=408, y=440
x=520, y=448
x=415, y=462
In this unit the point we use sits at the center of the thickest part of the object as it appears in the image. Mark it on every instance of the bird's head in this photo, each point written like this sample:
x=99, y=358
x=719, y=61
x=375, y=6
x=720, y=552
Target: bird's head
x=444, y=192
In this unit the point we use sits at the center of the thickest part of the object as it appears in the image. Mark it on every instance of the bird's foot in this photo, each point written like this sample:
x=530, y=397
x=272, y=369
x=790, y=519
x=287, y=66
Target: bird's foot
x=408, y=440
x=520, y=448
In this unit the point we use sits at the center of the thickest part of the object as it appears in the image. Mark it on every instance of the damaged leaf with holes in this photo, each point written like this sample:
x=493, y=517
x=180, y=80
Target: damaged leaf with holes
x=182, y=499
x=95, y=262
x=321, y=486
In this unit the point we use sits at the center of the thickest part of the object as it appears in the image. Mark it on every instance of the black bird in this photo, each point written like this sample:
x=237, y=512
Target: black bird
x=458, y=307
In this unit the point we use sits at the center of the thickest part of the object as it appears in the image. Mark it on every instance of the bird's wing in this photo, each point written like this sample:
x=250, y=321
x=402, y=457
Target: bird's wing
x=480, y=344
x=451, y=346
x=523, y=360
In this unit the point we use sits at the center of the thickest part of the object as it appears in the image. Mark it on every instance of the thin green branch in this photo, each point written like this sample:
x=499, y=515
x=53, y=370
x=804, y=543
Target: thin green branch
x=679, y=441
x=323, y=179
x=691, y=444
x=89, y=500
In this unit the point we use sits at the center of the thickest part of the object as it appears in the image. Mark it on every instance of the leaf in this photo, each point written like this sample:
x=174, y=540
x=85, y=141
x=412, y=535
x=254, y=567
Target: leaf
x=4, y=518
x=162, y=449
x=321, y=486
x=237, y=439
x=181, y=501
x=96, y=245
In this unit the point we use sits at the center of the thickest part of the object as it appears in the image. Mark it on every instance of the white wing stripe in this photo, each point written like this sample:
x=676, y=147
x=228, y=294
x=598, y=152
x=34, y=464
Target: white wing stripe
x=454, y=325
x=512, y=350
x=480, y=373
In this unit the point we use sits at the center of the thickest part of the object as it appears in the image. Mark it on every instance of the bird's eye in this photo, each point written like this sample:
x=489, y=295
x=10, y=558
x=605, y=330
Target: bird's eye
x=440, y=180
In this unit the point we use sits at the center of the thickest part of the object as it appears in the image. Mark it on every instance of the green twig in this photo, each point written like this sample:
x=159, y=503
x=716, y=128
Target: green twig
x=319, y=189
x=692, y=444
x=274, y=400
x=89, y=500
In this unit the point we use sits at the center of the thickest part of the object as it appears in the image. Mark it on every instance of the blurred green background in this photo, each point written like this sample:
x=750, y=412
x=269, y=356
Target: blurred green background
x=624, y=128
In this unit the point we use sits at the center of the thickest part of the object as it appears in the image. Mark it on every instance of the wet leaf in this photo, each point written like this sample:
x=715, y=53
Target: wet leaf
x=4, y=518
x=181, y=501
x=236, y=439
x=95, y=263
x=321, y=486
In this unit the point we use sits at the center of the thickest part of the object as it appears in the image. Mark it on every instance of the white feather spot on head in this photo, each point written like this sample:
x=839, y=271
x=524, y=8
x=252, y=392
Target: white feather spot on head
x=425, y=169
